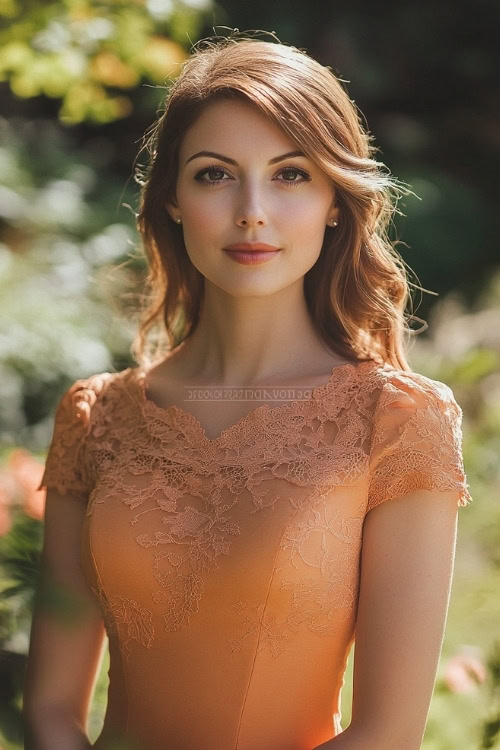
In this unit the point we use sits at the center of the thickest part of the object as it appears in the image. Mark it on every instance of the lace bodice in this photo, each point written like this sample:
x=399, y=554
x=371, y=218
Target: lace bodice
x=240, y=553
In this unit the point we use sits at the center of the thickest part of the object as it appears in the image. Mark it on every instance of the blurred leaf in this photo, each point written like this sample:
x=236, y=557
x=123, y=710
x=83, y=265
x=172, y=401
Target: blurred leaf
x=20, y=560
x=80, y=51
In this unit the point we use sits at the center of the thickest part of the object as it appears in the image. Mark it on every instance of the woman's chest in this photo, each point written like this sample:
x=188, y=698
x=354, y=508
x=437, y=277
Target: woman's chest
x=186, y=545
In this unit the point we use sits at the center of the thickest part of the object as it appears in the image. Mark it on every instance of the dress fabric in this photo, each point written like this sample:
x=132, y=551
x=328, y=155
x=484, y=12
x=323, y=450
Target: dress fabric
x=227, y=569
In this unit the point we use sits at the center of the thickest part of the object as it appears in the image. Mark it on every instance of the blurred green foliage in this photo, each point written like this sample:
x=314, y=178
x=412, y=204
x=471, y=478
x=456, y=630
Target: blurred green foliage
x=89, y=54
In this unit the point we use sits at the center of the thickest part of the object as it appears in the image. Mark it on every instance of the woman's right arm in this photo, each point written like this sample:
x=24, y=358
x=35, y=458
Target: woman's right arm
x=67, y=636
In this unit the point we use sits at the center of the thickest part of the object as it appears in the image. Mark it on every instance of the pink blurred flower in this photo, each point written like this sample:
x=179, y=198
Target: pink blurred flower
x=27, y=473
x=465, y=670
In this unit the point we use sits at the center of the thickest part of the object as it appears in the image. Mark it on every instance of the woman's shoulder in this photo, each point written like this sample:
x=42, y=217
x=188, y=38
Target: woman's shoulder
x=79, y=400
x=409, y=388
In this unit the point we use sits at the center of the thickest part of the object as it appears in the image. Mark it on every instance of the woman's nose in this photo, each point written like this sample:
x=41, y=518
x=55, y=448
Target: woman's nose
x=250, y=211
x=251, y=221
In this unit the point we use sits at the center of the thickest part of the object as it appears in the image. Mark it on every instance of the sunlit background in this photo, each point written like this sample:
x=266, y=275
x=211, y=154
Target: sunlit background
x=80, y=82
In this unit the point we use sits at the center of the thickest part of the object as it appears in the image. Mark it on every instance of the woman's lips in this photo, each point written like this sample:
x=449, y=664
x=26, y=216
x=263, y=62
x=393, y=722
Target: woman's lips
x=251, y=246
x=250, y=253
x=251, y=257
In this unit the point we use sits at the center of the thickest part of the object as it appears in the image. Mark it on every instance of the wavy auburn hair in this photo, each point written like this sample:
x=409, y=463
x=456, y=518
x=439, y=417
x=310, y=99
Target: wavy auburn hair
x=357, y=290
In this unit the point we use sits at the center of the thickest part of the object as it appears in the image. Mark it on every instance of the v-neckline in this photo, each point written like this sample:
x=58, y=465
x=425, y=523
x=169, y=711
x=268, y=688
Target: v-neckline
x=150, y=407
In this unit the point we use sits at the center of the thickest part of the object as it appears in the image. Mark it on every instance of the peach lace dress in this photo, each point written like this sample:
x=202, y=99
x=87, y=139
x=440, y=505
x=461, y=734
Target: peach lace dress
x=227, y=569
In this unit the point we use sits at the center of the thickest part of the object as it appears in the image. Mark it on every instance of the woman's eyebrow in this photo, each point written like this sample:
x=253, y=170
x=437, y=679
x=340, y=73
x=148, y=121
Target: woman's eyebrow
x=235, y=163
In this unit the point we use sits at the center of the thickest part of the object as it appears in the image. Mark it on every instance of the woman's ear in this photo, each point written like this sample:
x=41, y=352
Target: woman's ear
x=333, y=213
x=172, y=212
x=172, y=209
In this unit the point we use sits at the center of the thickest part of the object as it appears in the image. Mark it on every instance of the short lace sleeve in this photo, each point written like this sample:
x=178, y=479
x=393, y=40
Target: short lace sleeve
x=416, y=440
x=65, y=467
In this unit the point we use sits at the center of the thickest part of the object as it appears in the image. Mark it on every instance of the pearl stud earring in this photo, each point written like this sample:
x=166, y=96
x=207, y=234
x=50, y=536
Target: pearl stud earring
x=333, y=223
x=178, y=220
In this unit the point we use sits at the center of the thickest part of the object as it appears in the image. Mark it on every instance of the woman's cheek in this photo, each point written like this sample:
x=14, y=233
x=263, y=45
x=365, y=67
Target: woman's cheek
x=206, y=214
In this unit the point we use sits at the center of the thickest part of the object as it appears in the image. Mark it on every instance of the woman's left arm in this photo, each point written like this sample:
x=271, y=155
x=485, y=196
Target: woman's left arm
x=407, y=564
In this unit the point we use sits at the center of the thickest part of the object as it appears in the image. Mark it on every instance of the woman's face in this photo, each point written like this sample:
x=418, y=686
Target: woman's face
x=237, y=195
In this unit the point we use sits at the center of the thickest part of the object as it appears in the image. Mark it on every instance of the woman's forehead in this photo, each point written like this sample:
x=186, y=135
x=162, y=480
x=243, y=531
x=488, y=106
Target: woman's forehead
x=226, y=126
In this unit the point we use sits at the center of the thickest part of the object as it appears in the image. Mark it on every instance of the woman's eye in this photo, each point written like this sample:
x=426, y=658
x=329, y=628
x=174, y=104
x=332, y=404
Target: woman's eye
x=217, y=173
x=211, y=170
x=293, y=170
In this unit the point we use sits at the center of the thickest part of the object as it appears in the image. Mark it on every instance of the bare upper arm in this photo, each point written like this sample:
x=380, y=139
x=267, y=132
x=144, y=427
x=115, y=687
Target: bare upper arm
x=67, y=631
x=407, y=566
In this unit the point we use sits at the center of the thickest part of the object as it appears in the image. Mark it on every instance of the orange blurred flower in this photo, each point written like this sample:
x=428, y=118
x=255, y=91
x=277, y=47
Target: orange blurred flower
x=27, y=472
x=465, y=670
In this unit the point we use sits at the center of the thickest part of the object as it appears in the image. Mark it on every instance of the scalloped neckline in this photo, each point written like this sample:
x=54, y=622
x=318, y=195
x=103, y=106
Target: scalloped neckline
x=148, y=406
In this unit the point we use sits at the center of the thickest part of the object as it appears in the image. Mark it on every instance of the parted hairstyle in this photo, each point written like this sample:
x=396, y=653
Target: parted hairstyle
x=357, y=291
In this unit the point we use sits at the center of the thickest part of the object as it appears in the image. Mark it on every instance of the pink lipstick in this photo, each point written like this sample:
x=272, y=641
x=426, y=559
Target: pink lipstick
x=250, y=253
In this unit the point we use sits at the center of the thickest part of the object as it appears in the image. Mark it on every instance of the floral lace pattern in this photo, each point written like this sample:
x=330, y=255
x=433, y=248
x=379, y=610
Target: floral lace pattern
x=125, y=619
x=417, y=440
x=370, y=426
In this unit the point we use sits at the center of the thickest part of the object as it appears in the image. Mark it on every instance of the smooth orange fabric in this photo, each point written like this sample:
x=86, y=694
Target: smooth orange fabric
x=227, y=569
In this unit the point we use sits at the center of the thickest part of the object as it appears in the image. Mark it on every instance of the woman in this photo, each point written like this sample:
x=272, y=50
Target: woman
x=233, y=547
